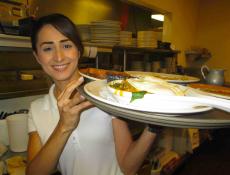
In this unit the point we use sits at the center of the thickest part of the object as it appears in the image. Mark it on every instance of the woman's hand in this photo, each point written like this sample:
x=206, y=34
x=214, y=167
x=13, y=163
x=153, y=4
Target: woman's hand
x=70, y=105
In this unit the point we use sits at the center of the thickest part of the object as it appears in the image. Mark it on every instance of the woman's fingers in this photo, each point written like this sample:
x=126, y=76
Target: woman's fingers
x=66, y=94
x=74, y=101
x=77, y=98
x=81, y=106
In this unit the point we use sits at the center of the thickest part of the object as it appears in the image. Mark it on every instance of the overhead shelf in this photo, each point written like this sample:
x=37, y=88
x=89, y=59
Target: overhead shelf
x=145, y=50
x=20, y=88
x=14, y=43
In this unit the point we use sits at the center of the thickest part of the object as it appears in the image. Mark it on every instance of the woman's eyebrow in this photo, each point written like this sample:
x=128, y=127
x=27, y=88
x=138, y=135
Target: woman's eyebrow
x=46, y=42
x=51, y=42
x=64, y=40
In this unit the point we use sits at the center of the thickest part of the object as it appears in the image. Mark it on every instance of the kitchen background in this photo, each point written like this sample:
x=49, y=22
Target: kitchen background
x=189, y=26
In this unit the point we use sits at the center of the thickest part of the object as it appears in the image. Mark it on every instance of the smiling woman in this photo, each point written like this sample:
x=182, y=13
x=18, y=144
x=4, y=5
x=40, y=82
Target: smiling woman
x=55, y=51
x=64, y=128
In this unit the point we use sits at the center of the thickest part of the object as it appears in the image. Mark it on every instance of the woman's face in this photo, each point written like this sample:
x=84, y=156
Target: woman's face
x=57, y=54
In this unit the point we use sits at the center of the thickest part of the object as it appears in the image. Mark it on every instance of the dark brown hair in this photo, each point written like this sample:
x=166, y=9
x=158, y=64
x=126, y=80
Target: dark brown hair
x=62, y=23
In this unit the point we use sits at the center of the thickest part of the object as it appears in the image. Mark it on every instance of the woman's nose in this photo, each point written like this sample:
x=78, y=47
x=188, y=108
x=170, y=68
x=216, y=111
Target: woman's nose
x=59, y=55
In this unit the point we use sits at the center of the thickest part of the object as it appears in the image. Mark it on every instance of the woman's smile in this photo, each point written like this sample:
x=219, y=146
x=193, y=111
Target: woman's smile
x=60, y=67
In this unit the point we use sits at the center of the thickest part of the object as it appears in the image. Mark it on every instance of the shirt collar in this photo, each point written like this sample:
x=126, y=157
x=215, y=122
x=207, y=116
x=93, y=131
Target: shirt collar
x=52, y=98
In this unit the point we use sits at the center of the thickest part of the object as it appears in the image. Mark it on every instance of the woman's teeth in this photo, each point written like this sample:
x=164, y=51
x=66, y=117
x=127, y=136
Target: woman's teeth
x=60, y=67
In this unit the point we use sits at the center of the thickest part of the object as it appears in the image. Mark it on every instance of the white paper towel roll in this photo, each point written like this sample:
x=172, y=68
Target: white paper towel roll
x=90, y=52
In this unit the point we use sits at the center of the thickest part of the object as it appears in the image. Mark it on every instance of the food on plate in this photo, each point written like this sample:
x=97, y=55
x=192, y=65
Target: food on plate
x=137, y=88
x=221, y=90
x=155, y=86
x=123, y=85
x=102, y=73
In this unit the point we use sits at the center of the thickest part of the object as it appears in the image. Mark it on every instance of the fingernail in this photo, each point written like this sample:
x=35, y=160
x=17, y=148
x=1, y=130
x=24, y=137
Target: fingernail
x=81, y=79
x=82, y=97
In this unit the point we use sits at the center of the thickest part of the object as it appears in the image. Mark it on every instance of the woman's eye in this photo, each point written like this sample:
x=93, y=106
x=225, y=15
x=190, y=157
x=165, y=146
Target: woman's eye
x=46, y=49
x=67, y=46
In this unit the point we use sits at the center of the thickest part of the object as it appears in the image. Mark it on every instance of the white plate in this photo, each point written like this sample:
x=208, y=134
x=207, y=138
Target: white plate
x=173, y=78
x=160, y=104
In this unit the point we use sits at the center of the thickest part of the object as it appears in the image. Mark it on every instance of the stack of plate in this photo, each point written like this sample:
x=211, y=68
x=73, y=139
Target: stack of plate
x=134, y=42
x=84, y=31
x=147, y=39
x=137, y=66
x=105, y=32
x=126, y=38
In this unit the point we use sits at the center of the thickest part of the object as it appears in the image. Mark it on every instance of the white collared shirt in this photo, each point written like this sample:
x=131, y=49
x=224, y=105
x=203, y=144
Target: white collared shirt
x=90, y=149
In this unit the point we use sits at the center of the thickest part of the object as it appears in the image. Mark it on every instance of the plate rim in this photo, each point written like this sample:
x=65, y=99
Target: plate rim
x=89, y=77
x=195, y=79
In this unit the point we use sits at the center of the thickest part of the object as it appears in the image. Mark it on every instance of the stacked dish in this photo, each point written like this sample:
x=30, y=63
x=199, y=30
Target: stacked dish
x=84, y=31
x=105, y=32
x=147, y=39
x=125, y=38
x=137, y=65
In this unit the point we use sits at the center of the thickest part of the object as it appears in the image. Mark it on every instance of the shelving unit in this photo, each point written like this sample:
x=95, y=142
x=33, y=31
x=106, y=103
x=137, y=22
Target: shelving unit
x=144, y=51
x=14, y=43
x=18, y=88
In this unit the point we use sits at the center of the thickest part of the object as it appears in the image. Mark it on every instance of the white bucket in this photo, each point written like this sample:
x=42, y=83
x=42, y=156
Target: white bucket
x=18, y=132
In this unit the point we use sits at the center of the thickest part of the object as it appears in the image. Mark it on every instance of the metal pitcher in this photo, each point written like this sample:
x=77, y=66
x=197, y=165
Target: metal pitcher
x=213, y=76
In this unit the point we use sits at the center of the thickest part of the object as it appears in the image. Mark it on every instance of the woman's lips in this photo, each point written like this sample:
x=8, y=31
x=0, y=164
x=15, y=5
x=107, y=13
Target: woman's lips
x=60, y=68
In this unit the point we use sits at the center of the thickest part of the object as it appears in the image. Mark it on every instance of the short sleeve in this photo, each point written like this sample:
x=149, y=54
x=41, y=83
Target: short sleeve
x=31, y=125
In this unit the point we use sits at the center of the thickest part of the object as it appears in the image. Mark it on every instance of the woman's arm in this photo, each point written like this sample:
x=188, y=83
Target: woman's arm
x=43, y=159
x=130, y=154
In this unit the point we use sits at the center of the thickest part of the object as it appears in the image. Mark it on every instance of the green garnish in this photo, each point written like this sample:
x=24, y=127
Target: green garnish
x=137, y=95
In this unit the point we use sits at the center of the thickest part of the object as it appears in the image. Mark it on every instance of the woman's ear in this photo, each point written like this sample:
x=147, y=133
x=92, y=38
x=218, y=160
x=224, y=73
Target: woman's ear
x=36, y=56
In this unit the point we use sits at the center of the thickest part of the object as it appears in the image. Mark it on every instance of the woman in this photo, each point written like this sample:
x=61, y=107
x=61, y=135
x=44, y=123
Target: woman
x=65, y=131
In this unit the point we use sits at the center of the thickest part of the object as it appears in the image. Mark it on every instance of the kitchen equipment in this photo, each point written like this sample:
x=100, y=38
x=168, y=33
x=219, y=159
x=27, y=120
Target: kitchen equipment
x=18, y=132
x=213, y=76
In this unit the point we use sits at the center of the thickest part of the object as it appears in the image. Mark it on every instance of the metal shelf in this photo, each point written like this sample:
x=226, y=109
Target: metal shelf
x=14, y=43
x=14, y=49
x=19, y=88
x=144, y=51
